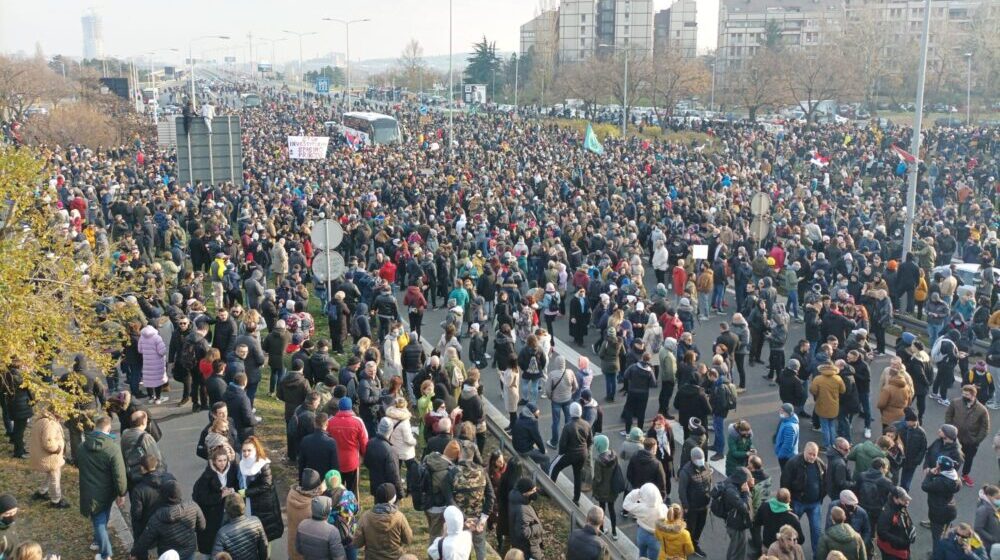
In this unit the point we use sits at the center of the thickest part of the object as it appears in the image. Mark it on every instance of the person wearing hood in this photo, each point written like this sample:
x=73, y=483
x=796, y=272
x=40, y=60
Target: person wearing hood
x=694, y=487
x=609, y=480
x=826, y=389
x=456, y=544
x=941, y=484
x=840, y=536
x=257, y=486
x=219, y=479
x=298, y=505
x=560, y=386
x=735, y=496
x=646, y=505
x=103, y=480
x=154, y=362
x=317, y=539
x=381, y=459
x=526, y=528
x=639, y=379
x=938, y=312
x=691, y=402
x=574, y=448
x=360, y=326
x=771, y=516
x=173, y=526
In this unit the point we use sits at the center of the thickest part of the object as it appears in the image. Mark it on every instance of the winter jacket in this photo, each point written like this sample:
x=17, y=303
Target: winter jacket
x=737, y=449
x=674, y=539
x=144, y=499
x=383, y=533
x=240, y=410
x=838, y=475
x=382, y=464
x=136, y=443
x=786, y=439
x=263, y=498
x=770, y=517
x=102, y=473
x=863, y=454
x=644, y=469
x=586, y=544
x=45, y=448
x=894, y=529
x=207, y=494
x=609, y=480
x=292, y=390
x=972, y=421
x=274, y=346
x=826, y=388
x=949, y=548
x=298, y=508
x=242, y=538
x=987, y=524
x=646, y=505
x=914, y=441
x=456, y=544
x=352, y=439
x=694, y=486
x=316, y=539
x=941, y=489
x=794, y=477
x=790, y=388
x=154, y=357
x=893, y=399
x=526, y=435
x=525, y=527
x=842, y=538
x=172, y=527
x=737, y=505
x=576, y=439
x=561, y=383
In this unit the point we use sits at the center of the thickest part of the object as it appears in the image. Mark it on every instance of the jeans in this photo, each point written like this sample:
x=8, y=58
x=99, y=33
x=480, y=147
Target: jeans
x=479, y=544
x=276, y=375
x=906, y=477
x=829, y=428
x=995, y=372
x=649, y=546
x=718, y=296
x=844, y=421
x=812, y=511
x=558, y=408
x=252, y=391
x=866, y=408
x=529, y=390
x=704, y=304
x=793, y=303
x=934, y=331
x=133, y=375
x=100, y=523
x=719, y=425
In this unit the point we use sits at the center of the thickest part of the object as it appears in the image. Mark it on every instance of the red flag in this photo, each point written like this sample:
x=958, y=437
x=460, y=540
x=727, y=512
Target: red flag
x=645, y=144
x=903, y=154
x=819, y=160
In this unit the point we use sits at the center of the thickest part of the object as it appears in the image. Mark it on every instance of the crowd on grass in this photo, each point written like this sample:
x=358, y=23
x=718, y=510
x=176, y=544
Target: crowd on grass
x=523, y=235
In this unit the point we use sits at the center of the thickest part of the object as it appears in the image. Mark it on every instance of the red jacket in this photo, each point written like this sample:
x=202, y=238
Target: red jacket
x=352, y=439
x=388, y=272
x=680, y=280
x=672, y=326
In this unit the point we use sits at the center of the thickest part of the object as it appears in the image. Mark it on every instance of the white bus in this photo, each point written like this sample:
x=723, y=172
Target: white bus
x=369, y=128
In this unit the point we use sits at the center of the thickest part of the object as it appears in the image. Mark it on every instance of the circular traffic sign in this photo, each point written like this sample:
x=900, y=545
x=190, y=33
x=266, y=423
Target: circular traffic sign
x=760, y=204
x=328, y=265
x=327, y=235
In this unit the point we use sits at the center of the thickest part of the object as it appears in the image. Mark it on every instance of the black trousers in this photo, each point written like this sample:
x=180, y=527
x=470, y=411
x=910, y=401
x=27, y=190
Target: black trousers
x=17, y=435
x=666, y=391
x=635, y=408
x=577, y=465
x=696, y=523
x=969, y=450
x=741, y=367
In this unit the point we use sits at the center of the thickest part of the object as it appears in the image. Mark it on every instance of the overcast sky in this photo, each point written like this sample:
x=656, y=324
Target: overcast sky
x=133, y=27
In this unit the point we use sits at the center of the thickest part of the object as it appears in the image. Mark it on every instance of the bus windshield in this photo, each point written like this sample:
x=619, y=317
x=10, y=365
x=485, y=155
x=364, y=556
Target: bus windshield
x=386, y=131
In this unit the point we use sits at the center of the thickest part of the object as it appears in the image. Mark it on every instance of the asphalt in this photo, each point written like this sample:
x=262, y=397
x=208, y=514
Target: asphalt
x=759, y=405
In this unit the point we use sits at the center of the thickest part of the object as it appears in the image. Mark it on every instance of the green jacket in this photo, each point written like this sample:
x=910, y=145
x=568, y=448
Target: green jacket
x=789, y=280
x=102, y=473
x=738, y=451
x=842, y=538
x=668, y=365
x=863, y=454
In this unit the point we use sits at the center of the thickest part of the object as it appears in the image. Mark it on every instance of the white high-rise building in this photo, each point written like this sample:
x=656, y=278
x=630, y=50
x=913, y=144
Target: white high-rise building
x=676, y=29
x=93, y=35
x=581, y=26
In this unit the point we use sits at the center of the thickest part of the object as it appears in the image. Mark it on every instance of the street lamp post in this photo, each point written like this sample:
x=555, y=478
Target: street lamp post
x=152, y=76
x=918, y=115
x=968, y=92
x=347, y=38
x=624, y=87
x=517, y=62
x=194, y=100
x=711, y=100
x=274, y=62
x=302, y=76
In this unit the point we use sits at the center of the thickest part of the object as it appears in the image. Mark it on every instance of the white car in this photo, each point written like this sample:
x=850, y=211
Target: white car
x=968, y=273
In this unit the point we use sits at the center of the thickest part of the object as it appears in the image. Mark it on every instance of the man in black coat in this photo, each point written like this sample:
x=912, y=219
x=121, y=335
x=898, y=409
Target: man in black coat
x=254, y=360
x=771, y=516
x=144, y=497
x=240, y=408
x=320, y=363
x=579, y=316
x=838, y=475
x=301, y=424
x=318, y=451
x=645, y=467
x=574, y=448
x=381, y=459
x=218, y=409
x=585, y=543
x=907, y=279
x=804, y=476
x=174, y=526
x=292, y=389
x=215, y=385
x=224, y=335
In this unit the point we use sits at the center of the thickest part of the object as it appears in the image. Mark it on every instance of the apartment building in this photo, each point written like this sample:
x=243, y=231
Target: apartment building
x=582, y=26
x=745, y=26
x=676, y=29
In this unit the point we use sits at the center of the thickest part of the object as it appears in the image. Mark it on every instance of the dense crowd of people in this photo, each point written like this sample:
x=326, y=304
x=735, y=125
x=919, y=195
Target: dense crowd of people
x=522, y=235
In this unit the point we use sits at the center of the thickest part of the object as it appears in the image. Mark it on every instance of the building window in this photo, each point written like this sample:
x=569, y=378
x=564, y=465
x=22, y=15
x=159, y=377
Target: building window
x=583, y=30
x=583, y=42
x=583, y=18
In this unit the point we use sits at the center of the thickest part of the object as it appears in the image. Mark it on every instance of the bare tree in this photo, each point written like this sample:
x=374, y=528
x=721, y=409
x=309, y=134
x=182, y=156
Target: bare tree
x=413, y=69
x=77, y=123
x=24, y=83
x=753, y=86
x=636, y=82
x=810, y=76
x=674, y=77
x=576, y=81
x=867, y=42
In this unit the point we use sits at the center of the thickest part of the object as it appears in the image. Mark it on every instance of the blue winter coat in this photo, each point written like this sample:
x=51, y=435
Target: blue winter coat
x=786, y=439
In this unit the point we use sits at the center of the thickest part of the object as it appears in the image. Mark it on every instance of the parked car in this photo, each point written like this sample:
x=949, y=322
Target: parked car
x=949, y=122
x=968, y=273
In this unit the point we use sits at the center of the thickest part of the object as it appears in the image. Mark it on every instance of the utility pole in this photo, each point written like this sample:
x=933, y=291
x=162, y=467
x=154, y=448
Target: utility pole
x=250, y=57
x=451, y=86
x=918, y=115
x=517, y=63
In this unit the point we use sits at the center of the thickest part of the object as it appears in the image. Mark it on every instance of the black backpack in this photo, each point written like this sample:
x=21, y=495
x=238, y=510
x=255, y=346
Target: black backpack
x=718, y=505
x=418, y=485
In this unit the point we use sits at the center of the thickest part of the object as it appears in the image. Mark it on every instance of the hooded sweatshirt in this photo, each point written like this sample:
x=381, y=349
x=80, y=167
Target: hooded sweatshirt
x=646, y=504
x=562, y=382
x=457, y=542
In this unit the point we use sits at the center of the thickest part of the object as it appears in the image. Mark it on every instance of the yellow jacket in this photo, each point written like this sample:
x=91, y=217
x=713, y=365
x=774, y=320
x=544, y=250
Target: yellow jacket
x=675, y=541
x=920, y=294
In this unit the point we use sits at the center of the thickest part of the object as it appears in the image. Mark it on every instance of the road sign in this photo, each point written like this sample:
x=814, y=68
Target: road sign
x=327, y=235
x=328, y=266
x=759, y=229
x=760, y=204
x=322, y=85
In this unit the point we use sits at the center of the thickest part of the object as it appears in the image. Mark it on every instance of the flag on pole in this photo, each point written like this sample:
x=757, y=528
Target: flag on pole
x=590, y=141
x=819, y=160
x=903, y=154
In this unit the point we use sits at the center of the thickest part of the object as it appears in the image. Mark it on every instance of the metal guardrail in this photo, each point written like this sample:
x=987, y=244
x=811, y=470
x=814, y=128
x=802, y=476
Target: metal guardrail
x=561, y=490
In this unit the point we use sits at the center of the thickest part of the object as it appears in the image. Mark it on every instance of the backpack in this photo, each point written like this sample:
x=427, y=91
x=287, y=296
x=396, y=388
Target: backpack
x=188, y=358
x=134, y=457
x=718, y=505
x=469, y=489
x=937, y=351
x=418, y=484
x=868, y=494
x=554, y=303
x=344, y=516
x=728, y=396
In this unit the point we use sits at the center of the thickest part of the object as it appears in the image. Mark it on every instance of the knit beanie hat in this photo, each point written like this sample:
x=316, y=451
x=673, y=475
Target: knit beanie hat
x=601, y=443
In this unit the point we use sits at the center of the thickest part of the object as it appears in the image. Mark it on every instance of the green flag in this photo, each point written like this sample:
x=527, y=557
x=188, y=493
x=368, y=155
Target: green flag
x=590, y=141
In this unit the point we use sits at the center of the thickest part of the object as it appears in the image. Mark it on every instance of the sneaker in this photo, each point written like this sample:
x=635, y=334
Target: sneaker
x=623, y=433
x=700, y=553
x=925, y=524
x=817, y=430
x=718, y=457
x=61, y=504
x=258, y=419
x=614, y=536
x=184, y=401
x=993, y=406
x=945, y=402
x=38, y=495
x=550, y=444
x=868, y=433
x=162, y=400
x=967, y=480
x=153, y=400
x=93, y=546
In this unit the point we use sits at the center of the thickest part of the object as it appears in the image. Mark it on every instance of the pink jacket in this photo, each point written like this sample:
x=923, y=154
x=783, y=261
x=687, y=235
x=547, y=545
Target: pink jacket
x=154, y=357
